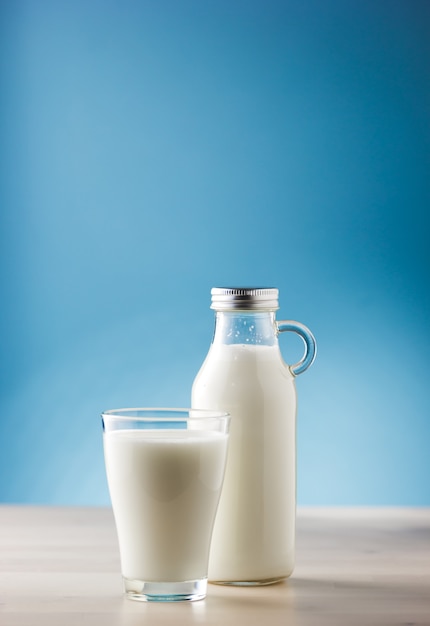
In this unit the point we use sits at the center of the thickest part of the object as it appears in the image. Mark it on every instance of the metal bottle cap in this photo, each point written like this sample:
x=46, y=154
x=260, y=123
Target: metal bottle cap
x=244, y=298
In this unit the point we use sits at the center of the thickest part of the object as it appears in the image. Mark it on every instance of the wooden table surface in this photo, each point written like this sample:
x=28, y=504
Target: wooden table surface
x=60, y=567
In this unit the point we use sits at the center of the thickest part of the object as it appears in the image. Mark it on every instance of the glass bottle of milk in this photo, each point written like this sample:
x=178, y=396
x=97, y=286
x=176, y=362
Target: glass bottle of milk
x=245, y=374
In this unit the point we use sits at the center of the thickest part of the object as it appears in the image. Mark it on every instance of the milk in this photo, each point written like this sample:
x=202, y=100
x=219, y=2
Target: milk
x=253, y=537
x=164, y=488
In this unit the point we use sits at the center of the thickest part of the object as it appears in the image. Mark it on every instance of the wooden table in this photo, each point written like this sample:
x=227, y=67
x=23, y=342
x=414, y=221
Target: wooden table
x=59, y=567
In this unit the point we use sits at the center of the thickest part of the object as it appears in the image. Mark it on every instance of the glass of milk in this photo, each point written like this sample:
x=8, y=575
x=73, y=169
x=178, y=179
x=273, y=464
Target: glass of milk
x=165, y=469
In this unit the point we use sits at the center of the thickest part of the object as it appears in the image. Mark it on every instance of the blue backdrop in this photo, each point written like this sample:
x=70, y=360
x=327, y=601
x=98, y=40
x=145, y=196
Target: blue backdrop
x=153, y=149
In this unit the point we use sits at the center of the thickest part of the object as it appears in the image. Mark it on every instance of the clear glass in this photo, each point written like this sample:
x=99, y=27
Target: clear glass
x=165, y=469
x=245, y=327
x=262, y=328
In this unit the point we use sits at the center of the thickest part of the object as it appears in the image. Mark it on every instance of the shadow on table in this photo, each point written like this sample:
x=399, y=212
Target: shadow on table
x=296, y=602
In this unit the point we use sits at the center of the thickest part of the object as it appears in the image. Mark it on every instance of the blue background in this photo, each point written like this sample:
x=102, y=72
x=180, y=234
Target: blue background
x=151, y=150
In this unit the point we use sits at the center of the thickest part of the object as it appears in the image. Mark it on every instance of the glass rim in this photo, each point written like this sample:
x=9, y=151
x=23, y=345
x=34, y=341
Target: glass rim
x=170, y=414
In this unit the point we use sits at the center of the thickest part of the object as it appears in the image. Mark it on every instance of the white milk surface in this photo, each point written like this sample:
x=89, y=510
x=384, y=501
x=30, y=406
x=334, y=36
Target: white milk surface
x=164, y=488
x=253, y=538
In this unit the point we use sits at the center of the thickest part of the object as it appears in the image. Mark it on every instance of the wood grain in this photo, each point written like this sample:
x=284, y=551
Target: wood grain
x=60, y=567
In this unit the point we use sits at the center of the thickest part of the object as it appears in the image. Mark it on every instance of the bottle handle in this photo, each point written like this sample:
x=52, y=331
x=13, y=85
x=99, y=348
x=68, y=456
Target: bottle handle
x=308, y=339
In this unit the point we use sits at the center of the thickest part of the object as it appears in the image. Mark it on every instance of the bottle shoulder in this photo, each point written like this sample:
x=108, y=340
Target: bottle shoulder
x=239, y=361
x=243, y=378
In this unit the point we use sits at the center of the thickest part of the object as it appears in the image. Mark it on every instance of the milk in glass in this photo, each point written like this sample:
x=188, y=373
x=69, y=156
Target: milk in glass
x=164, y=487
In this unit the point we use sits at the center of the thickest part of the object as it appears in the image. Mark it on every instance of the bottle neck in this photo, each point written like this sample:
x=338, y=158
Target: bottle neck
x=245, y=327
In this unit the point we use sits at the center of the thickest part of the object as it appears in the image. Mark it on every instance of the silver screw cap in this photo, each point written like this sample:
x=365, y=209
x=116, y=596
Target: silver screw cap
x=244, y=298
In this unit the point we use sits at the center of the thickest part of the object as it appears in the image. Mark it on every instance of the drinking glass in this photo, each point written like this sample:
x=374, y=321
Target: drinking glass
x=165, y=469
